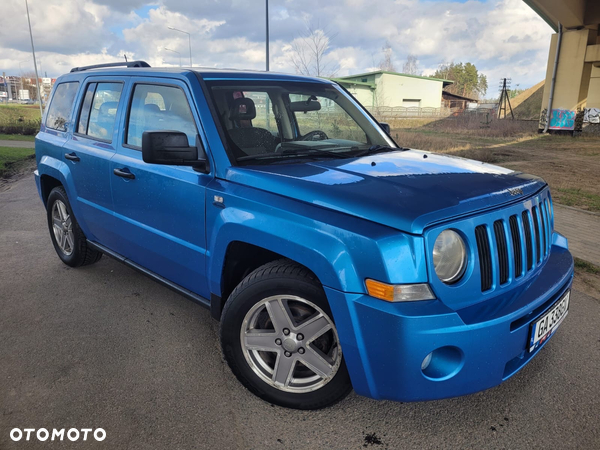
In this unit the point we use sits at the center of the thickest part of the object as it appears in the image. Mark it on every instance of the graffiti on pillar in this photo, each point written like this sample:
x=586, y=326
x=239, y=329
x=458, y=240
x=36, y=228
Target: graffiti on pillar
x=591, y=115
x=562, y=119
x=543, y=116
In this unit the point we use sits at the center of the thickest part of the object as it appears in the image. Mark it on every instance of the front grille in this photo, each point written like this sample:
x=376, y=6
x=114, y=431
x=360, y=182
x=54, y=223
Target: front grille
x=527, y=245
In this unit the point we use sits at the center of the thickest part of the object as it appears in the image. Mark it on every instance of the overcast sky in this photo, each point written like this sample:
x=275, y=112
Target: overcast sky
x=503, y=38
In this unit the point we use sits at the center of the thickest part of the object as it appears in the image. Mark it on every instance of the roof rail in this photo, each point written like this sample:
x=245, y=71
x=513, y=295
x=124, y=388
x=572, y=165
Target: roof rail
x=117, y=64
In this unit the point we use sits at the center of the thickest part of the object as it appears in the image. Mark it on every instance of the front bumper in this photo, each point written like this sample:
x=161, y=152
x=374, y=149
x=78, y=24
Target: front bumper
x=384, y=344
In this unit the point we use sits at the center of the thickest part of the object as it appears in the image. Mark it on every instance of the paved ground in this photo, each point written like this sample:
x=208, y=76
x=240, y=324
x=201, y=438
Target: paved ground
x=583, y=231
x=105, y=347
x=20, y=144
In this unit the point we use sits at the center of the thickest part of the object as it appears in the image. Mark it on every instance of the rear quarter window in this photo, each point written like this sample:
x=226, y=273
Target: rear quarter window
x=61, y=106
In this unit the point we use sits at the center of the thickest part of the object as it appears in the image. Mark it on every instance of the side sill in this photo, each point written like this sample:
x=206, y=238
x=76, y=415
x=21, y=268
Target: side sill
x=161, y=280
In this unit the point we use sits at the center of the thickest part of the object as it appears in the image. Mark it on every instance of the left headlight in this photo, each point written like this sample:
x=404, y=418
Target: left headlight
x=449, y=256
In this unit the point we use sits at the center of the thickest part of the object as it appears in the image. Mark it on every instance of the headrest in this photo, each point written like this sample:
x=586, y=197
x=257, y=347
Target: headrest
x=107, y=106
x=151, y=107
x=242, y=109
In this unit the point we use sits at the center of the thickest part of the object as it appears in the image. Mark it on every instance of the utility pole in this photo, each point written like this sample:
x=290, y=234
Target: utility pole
x=37, y=80
x=267, y=31
x=504, y=98
x=267, y=102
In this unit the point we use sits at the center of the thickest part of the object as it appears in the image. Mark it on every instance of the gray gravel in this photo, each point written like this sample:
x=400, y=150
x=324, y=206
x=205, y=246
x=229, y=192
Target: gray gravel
x=105, y=347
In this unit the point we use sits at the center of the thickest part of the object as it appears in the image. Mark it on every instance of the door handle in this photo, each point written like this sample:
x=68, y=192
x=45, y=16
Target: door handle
x=72, y=156
x=125, y=173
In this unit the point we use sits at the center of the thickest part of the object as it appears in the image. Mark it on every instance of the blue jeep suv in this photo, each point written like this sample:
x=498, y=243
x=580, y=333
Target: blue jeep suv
x=333, y=258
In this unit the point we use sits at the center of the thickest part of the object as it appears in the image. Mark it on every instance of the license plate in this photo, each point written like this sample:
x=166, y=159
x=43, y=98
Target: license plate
x=544, y=328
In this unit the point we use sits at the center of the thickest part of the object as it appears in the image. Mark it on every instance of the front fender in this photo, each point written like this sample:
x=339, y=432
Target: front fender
x=341, y=250
x=323, y=253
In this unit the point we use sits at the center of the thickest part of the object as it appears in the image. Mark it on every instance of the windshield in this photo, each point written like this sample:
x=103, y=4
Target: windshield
x=271, y=122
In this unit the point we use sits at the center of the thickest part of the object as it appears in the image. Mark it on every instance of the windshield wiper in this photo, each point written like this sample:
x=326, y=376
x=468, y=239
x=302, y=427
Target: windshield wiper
x=312, y=151
x=289, y=154
x=379, y=149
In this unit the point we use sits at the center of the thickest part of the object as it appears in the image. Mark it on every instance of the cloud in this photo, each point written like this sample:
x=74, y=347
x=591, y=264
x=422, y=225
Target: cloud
x=501, y=37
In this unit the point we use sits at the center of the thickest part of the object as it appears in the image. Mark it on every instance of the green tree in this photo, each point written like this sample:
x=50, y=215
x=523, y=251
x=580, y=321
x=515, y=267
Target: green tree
x=468, y=81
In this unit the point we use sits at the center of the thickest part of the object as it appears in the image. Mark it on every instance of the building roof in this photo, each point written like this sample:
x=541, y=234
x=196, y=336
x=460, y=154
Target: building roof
x=353, y=82
x=375, y=72
x=446, y=94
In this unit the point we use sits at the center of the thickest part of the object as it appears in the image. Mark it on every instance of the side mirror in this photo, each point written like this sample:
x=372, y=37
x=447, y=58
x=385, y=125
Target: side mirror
x=172, y=148
x=385, y=127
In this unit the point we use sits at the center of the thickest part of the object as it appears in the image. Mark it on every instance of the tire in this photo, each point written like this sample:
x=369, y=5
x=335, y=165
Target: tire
x=278, y=363
x=67, y=237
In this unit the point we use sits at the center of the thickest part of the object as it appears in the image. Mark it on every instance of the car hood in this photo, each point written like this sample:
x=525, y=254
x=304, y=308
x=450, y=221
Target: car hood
x=407, y=190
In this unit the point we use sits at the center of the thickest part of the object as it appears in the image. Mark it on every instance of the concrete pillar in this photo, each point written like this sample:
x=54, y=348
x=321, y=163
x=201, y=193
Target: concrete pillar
x=573, y=74
x=593, y=100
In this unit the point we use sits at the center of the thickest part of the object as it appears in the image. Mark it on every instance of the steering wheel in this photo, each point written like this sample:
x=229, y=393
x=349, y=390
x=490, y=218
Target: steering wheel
x=316, y=135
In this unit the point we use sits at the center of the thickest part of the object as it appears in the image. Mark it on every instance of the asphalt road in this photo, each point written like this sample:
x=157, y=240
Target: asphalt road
x=105, y=347
x=20, y=144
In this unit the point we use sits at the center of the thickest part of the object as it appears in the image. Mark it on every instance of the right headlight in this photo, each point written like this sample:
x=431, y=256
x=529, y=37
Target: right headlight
x=449, y=256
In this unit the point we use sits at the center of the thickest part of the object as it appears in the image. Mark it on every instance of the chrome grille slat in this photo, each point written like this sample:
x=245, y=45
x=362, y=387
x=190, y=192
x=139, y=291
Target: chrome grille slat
x=528, y=241
x=502, y=250
x=544, y=237
x=485, y=257
x=536, y=231
x=517, y=247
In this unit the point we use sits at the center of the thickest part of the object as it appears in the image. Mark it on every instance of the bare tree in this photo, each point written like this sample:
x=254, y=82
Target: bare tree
x=310, y=52
x=411, y=66
x=386, y=63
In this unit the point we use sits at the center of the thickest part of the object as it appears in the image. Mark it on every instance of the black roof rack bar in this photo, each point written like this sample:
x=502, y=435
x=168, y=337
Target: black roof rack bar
x=117, y=64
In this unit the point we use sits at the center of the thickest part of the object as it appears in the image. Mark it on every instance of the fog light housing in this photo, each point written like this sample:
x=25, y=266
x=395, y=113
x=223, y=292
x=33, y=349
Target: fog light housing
x=443, y=363
x=426, y=361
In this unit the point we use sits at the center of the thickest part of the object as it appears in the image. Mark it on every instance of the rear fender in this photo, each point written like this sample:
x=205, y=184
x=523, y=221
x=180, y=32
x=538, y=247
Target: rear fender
x=57, y=169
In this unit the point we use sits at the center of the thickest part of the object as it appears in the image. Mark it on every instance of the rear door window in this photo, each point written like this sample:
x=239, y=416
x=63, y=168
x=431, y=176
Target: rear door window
x=99, y=110
x=61, y=106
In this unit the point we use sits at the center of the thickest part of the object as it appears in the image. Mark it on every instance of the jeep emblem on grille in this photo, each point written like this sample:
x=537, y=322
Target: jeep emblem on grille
x=515, y=191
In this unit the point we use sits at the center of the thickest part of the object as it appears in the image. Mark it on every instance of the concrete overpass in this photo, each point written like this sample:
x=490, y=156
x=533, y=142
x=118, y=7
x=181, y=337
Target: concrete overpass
x=573, y=61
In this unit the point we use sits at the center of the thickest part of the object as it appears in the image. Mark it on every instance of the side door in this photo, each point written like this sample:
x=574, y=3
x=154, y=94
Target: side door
x=88, y=153
x=160, y=209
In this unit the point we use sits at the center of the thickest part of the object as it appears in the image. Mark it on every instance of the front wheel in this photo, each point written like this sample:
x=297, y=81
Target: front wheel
x=280, y=341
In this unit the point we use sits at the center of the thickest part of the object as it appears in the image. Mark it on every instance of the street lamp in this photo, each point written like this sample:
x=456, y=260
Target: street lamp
x=175, y=51
x=189, y=40
x=37, y=81
x=267, y=32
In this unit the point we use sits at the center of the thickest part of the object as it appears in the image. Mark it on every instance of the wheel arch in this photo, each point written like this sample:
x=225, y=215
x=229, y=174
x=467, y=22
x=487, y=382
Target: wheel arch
x=47, y=183
x=54, y=173
x=232, y=259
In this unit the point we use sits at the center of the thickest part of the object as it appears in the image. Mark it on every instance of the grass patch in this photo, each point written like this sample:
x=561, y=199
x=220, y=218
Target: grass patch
x=9, y=156
x=16, y=137
x=12, y=112
x=578, y=198
x=587, y=267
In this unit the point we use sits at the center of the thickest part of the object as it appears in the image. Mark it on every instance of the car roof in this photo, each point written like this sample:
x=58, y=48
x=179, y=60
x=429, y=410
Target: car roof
x=205, y=73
